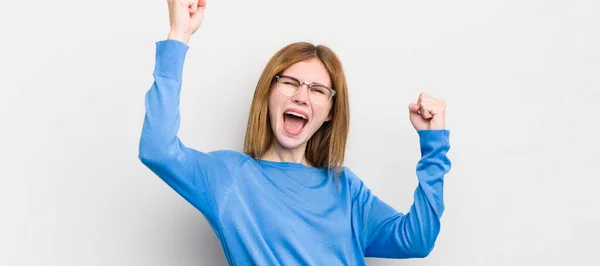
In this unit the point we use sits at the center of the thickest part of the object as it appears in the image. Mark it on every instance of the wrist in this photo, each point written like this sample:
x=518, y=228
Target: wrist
x=178, y=35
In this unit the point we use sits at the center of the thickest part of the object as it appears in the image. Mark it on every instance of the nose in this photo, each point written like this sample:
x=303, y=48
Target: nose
x=302, y=96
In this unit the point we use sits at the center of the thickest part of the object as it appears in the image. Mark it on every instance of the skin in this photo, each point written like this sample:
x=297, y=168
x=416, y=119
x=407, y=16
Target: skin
x=185, y=17
x=427, y=113
x=286, y=147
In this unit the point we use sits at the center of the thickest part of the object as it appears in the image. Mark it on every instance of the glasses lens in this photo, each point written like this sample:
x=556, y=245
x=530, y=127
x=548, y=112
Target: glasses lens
x=288, y=86
x=319, y=94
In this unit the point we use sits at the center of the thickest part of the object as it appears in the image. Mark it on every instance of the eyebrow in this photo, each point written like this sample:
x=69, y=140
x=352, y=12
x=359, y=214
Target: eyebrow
x=316, y=83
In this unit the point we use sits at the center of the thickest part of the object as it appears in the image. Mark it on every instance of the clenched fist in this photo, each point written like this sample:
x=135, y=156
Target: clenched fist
x=185, y=17
x=428, y=113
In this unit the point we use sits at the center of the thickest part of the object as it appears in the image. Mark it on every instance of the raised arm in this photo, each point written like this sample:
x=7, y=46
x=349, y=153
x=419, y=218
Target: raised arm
x=392, y=234
x=191, y=173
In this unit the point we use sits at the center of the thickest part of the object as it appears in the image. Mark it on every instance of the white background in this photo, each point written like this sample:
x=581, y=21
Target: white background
x=521, y=80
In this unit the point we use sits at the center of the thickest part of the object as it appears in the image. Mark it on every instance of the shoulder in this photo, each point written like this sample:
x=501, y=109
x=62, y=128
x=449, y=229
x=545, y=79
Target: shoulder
x=355, y=184
x=347, y=174
x=232, y=159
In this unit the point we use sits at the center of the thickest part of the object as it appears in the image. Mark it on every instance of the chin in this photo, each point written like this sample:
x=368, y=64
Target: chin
x=291, y=141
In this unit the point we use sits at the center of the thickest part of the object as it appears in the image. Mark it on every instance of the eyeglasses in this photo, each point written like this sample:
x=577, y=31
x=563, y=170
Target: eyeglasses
x=290, y=86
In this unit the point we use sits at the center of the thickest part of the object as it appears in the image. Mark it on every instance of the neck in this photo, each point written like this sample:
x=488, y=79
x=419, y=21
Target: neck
x=278, y=153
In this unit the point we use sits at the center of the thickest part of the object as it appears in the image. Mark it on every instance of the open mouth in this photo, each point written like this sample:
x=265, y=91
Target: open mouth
x=294, y=122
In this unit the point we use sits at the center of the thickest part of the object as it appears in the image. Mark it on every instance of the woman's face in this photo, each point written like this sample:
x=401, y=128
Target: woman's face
x=296, y=118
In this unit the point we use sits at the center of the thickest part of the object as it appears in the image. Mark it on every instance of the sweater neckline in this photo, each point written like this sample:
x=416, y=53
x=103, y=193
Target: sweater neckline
x=289, y=165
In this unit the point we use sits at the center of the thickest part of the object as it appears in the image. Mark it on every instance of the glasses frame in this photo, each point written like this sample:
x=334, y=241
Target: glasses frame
x=310, y=85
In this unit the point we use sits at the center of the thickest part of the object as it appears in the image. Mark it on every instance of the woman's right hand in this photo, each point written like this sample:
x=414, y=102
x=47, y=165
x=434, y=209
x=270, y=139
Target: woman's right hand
x=185, y=17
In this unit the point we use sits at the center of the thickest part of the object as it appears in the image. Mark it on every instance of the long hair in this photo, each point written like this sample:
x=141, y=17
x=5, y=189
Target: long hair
x=327, y=147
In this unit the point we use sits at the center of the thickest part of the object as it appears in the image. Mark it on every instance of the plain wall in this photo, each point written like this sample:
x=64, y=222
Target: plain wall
x=520, y=78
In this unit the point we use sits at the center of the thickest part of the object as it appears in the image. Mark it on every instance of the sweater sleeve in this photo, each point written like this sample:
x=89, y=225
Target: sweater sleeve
x=192, y=174
x=388, y=233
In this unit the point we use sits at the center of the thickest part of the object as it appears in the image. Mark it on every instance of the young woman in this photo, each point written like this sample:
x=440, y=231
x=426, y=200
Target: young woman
x=287, y=199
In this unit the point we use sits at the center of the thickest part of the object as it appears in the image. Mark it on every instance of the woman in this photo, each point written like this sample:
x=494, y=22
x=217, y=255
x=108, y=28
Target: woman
x=287, y=199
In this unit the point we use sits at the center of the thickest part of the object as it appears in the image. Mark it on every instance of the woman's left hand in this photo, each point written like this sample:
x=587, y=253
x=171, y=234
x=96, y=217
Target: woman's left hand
x=428, y=113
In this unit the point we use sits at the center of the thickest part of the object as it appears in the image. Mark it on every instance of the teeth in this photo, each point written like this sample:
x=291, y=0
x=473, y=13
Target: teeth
x=296, y=114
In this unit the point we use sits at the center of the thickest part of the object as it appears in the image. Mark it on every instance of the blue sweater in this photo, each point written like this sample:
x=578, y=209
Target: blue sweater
x=283, y=213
